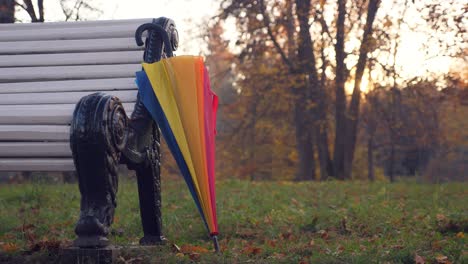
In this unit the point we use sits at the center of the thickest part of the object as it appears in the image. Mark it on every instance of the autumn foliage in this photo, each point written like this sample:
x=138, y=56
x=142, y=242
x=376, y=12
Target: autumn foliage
x=314, y=90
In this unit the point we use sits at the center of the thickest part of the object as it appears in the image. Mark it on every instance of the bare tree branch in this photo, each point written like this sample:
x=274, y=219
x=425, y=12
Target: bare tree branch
x=267, y=22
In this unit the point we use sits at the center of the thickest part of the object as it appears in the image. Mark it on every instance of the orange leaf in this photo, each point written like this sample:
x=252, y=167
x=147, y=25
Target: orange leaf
x=442, y=260
x=10, y=247
x=441, y=217
x=251, y=250
x=193, y=249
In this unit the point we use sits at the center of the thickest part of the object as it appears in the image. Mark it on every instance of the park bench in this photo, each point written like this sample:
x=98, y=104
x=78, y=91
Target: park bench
x=53, y=119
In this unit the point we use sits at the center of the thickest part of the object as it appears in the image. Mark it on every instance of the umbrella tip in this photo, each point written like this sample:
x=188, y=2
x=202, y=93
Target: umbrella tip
x=216, y=243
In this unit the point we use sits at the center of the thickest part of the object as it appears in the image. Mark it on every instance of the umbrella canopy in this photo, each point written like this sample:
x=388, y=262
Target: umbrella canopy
x=176, y=91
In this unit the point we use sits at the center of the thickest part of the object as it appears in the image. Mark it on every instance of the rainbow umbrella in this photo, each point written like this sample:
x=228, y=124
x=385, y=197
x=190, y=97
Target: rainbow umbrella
x=176, y=91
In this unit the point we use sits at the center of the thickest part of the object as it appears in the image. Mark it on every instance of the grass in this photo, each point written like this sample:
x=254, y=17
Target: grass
x=259, y=222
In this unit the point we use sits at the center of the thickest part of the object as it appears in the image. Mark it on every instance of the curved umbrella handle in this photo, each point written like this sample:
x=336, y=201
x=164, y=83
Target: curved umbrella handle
x=157, y=29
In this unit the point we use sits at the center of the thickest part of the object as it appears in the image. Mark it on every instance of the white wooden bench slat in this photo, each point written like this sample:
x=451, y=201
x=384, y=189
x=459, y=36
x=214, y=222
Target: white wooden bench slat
x=44, y=70
x=95, y=32
x=34, y=133
x=37, y=26
x=68, y=72
x=70, y=85
x=89, y=58
x=61, y=46
x=58, y=114
x=59, y=98
x=35, y=149
x=24, y=164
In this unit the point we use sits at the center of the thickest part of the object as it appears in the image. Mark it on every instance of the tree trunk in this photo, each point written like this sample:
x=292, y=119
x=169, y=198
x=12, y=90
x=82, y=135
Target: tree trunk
x=370, y=158
x=340, y=104
x=252, y=142
x=313, y=110
x=7, y=11
x=305, y=147
x=353, y=112
x=391, y=170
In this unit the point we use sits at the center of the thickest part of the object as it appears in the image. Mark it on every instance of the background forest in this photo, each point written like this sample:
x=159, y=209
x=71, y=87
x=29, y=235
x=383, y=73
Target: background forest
x=312, y=90
x=322, y=89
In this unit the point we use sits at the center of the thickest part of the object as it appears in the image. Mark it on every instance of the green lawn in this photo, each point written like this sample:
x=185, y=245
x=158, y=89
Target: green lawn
x=259, y=222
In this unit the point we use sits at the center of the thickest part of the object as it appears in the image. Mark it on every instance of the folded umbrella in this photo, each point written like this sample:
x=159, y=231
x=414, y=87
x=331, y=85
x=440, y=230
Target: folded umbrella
x=176, y=91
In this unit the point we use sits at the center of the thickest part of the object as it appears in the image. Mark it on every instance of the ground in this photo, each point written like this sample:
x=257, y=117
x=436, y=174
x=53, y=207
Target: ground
x=259, y=222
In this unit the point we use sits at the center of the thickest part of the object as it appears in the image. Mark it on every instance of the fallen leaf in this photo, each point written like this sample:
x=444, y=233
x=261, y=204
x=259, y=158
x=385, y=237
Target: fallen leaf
x=419, y=260
x=45, y=244
x=397, y=246
x=441, y=217
x=175, y=248
x=295, y=202
x=344, y=227
x=24, y=227
x=195, y=256
x=186, y=249
x=10, y=247
x=437, y=245
x=246, y=233
x=287, y=236
x=251, y=250
x=442, y=260
x=340, y=249
x=271, y=243
x=460, y=235
x=324, y=234
x=267, y=220
x=277, y=255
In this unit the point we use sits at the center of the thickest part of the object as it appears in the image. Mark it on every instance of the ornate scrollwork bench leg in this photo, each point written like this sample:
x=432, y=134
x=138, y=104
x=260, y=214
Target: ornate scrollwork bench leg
x=142, y=155
x=102, y=137
x=97, y=137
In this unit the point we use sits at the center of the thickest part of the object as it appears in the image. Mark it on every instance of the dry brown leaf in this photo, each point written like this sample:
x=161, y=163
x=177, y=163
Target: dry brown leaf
x=45, y=244
x=175, y=248
x=419, y=260
x=287, y=236
x=24, y=227
x=295, y=202
x=277, y=255
x=271, y=243
x=251, y=250
x=324, y=234
x=195, y=256
x=246, y=233
x=441, y=217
